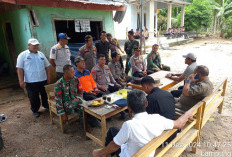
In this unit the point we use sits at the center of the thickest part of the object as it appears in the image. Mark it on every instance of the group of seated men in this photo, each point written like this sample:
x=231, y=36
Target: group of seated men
x=158, y=105
x=176, y=32
x=152, y=113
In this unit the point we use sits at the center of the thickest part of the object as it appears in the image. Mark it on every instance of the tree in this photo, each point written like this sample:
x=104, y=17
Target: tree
x=227, y=28
x=198, y=15
x=223, y=11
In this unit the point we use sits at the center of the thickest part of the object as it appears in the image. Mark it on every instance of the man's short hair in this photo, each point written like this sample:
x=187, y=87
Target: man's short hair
x=202, y=70
x=131, y=32
x=102, y=32
x=136, y=99
x=114, y=54
x=148, y=80
x=67, y=67
x=155, y=45
x=109, y=35
x=100, y=55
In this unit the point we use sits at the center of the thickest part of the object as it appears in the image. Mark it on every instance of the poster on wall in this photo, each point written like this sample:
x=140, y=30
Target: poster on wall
x=85, y=25
x=77, y=25
x=82, y=25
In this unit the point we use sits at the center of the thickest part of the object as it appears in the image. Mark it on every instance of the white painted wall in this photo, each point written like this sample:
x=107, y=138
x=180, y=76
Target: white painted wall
x=130, y=21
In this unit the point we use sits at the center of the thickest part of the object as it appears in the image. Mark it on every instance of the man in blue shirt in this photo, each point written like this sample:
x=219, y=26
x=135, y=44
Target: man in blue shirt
x=33, y=73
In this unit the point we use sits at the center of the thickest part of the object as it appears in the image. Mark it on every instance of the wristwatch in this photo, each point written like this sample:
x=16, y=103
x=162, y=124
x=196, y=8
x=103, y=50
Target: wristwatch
x=187, y=81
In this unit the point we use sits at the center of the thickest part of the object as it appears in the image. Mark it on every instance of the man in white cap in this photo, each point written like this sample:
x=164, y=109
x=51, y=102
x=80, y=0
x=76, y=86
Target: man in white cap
x=60, y=55
x=190, y=60
x=33, y=73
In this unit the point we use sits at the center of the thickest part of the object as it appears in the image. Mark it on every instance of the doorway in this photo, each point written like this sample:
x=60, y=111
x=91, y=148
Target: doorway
x=68, y=26
x=11, y=45
x=77, y=38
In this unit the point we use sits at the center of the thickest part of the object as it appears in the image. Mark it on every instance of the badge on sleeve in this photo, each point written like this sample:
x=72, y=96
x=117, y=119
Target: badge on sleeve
x=53, y=51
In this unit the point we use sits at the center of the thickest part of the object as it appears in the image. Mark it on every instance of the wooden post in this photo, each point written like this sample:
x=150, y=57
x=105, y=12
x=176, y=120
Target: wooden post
x=103, y=123
x=223, y=94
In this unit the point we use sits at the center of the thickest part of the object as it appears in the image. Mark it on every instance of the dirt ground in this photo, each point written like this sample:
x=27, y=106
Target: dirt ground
x=25, y=135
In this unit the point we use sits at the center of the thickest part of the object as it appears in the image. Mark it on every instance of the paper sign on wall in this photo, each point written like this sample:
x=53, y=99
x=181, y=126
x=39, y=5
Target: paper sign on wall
x=82, y=25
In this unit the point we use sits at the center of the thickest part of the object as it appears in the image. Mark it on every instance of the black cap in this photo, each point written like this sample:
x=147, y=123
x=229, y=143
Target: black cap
x=78, y=59
x=87, y=37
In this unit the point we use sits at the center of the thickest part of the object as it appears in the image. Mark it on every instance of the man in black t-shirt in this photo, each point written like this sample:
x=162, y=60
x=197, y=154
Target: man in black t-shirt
x=159, y=101
x=103, y=46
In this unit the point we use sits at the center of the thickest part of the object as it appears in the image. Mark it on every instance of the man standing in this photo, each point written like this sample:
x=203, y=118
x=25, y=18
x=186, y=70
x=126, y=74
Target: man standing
x=33, y=73
x=196, y=88
x=159, y=101
x=103, y=46
x=114, y=46
x=88, y=84
x=129, y=47
x=190, y=60
x=89, y=52
x=138, y=131
x=103, y=77
x=68, y=93
x=154, y=60
x=117, y=70
x=60, y=55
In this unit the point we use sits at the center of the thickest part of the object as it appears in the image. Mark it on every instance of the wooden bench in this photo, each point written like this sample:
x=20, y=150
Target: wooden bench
x=190, y=134
x=52, y=107
x=214, y=101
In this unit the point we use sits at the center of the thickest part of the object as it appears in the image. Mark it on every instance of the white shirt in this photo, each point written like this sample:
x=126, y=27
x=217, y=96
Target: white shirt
x=61, y=56
x=137, y=132
x=34, y=65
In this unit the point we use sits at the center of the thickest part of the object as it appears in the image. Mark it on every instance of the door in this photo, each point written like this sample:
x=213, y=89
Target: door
x=11, y=45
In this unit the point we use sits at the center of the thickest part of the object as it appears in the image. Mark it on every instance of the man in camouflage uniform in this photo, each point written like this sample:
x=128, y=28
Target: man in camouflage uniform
x=154, y=60
x=89, y=52
x=128, y=47
x=60, y=55
x=68, y=93
x=103, y=77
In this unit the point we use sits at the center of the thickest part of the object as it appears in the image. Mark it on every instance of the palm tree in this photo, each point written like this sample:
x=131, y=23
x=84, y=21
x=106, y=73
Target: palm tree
x=223, y=11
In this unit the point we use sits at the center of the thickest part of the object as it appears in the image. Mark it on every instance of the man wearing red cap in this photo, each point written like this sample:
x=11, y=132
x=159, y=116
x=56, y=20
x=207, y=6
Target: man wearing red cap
x=60, y=55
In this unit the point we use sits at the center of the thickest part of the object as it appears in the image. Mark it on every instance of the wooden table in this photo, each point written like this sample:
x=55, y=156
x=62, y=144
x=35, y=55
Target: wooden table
x=166, y=83
x=101, y=113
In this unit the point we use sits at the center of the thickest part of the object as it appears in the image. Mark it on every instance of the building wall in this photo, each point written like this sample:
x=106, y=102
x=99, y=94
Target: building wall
x=130, y=21
x=46, y=15
x=22, y=31
x=19, y=20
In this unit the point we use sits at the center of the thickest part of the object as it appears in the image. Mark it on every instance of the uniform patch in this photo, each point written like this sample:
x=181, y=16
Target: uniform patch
x=42, y=58
x=86, y=50
x=53, y=51
x=29, y=57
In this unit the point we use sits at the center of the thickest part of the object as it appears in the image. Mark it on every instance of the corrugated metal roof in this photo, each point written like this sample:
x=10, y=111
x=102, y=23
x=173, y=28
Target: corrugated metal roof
x=75, y=4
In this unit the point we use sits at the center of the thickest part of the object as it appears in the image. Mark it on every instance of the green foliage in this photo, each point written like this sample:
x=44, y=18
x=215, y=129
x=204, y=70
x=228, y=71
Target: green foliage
x=198, y=15
x=162, y=22
x=227, y=28
x=223, y=10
